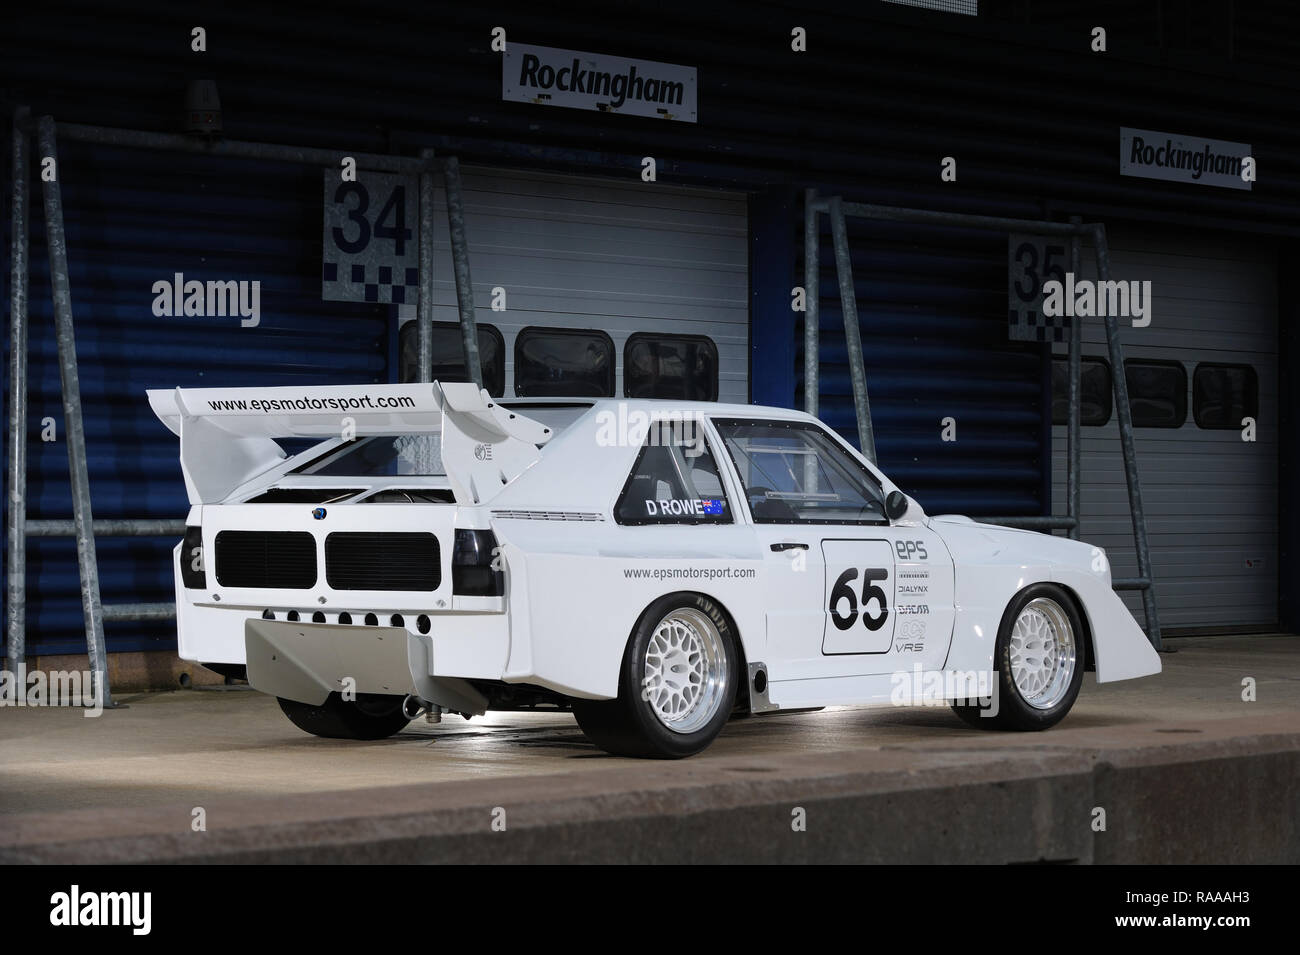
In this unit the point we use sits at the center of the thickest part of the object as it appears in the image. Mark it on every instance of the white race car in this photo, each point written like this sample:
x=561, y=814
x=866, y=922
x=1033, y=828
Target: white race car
x=655, y=566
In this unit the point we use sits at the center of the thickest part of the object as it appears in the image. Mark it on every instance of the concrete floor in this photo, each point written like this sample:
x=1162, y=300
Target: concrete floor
x=194, y=744
x=200, y=747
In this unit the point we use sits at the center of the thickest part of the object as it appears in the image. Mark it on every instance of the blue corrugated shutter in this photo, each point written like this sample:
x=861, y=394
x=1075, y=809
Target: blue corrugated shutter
x=134, y=217
x=932, y=310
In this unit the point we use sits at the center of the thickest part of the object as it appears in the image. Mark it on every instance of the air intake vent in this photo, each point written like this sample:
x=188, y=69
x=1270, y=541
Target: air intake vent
x=548, y=515
x=280, y=559
x=379, y=561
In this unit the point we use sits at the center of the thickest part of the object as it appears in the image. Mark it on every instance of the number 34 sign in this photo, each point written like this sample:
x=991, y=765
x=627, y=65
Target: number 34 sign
x=371, y=253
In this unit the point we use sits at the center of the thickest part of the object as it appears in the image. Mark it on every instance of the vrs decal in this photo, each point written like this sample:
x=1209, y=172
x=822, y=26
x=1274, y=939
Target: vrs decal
x=910, y=637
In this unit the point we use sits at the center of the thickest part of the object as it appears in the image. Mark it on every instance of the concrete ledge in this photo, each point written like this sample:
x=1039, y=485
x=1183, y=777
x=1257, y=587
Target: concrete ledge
x=132, y=672
x=1227, y=791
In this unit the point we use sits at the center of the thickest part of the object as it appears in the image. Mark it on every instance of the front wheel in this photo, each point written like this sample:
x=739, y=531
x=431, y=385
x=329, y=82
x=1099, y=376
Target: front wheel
x=371, y=716
x=677, y=683
x=1038, y=659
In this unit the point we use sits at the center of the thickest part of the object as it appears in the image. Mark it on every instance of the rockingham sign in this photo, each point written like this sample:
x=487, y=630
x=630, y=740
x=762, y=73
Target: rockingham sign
x=1174, y=158
x=610, y=84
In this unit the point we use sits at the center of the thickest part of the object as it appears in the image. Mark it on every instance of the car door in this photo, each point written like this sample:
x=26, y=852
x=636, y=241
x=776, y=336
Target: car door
x=848, y=592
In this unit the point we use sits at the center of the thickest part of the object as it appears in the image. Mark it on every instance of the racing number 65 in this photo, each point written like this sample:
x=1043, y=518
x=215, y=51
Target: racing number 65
x=842, y=591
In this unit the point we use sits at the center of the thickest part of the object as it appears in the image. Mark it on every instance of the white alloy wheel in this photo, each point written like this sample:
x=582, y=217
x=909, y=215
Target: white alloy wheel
x=685, y=674
x=1043, y=653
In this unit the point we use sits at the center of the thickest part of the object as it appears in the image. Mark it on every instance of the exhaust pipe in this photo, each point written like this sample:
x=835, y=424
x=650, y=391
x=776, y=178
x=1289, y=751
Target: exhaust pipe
x=413, y=706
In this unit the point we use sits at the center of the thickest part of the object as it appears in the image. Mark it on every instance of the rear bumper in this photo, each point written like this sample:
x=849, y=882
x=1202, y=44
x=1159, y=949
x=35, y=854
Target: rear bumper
x=470, y=639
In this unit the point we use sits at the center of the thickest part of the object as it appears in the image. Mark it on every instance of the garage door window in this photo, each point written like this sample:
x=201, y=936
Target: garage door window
x=449, y=355
x=1094, y=391
x=675, y=480
x=670, y=366
x=795, y=473
x=1157, y=393
x=564, y=362
x=1224, y=394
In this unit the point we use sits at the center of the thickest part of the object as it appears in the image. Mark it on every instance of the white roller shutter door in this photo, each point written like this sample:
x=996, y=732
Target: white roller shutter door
x=1211, y=498
x=588, y=253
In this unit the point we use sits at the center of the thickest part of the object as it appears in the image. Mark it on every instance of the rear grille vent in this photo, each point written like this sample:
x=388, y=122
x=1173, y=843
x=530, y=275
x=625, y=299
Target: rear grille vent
x=280, y=559
x=380, y=561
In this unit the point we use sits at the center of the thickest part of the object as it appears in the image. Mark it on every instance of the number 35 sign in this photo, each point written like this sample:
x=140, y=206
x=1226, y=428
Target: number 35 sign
x=371, y=253
x=1031, y=261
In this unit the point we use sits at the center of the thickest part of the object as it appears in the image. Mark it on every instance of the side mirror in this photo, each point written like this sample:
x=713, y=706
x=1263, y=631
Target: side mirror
x=896, y=505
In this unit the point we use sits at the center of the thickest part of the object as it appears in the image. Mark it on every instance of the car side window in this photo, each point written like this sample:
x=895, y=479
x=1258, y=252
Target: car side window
x=675, y=480
x=795, y=473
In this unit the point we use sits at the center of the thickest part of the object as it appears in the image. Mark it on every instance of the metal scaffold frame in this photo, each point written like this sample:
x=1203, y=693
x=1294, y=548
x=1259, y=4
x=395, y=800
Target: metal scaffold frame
x=1075, y=230
x=83, y=526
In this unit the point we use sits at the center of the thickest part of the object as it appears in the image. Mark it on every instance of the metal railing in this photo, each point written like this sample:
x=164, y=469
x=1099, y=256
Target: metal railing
x=1075, y=230
x=82, y=526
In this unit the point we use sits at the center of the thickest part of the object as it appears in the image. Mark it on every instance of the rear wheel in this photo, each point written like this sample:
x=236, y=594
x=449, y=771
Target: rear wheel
x=1038, y=659
x=677, y=683
x=371, y=716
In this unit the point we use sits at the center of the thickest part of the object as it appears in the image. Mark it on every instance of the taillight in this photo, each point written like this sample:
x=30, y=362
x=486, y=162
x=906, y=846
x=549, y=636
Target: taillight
x=476, y=565
x=193, y=560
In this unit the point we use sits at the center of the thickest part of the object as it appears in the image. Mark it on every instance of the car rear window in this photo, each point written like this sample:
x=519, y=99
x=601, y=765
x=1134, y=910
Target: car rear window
x=675, y=480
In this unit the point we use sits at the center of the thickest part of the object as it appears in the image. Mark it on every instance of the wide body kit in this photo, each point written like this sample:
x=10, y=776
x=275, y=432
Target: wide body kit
x=439, y=545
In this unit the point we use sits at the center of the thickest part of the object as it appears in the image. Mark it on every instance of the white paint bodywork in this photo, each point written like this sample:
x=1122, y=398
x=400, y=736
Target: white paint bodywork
x=577, y=581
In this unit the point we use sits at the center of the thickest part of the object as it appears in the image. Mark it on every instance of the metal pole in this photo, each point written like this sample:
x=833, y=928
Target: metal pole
x=460, y=264
x=1127, y=445
x=1037, y=522
x=57, y=244
x=16, y=519
x=852, y=331
x=142, y=527
x=162, y=611
x=424, y=309
x=1073, y=475
x=812, y=302
x=967, y=220
x=234, y=149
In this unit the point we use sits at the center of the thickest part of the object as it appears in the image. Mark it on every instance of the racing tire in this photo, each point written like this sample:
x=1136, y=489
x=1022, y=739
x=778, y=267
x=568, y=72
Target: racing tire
x=677, y=682
x=372, y=716
x=1038, y=663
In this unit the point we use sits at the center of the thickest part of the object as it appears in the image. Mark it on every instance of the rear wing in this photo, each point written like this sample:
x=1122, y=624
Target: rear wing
x=227, y=434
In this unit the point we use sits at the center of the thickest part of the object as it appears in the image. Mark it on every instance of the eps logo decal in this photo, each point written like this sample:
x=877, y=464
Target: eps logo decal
x=907, y=548
x=870, y=591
